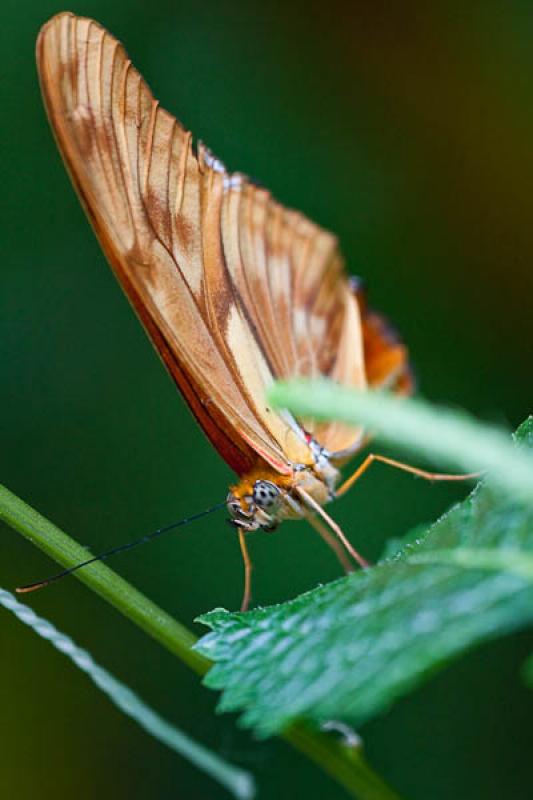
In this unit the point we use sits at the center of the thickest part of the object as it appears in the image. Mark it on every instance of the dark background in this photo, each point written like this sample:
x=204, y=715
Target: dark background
x=408, y=130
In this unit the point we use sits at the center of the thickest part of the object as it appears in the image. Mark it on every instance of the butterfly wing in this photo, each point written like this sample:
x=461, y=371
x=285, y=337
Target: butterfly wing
x=233, y=289
x=155, y=207
x=386, y=367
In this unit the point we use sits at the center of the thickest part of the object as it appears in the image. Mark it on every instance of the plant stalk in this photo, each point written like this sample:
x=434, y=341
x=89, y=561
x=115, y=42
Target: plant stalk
x=344, y=764
x=452, y=438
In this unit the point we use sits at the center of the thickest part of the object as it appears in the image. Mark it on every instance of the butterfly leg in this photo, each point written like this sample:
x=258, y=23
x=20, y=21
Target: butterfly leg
x=421, y=473
x=312, y=505
x=332, y=542
x=247, y=572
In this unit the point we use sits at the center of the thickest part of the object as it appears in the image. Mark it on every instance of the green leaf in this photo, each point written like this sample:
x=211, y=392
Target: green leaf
x=347, y=650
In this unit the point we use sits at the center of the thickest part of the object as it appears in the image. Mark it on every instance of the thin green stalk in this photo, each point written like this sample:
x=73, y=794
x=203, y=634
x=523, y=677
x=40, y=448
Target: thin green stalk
x=345, y=765
x=102, y=580
x=239, y=782
x=447, y=437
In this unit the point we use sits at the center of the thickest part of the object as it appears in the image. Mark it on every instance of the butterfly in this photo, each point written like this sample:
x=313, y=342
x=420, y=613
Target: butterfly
x=234, y=290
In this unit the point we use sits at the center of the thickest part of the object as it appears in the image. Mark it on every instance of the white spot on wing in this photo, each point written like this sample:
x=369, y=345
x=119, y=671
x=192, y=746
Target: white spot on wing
x=232, y=182
x=300, y=322
x=213, y=162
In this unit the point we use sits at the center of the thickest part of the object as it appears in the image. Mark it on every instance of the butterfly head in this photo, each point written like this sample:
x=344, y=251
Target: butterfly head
x=258, y=507
x=262, y=500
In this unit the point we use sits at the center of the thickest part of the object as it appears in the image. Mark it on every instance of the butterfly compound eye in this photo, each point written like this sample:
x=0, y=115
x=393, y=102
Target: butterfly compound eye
x=266, y=495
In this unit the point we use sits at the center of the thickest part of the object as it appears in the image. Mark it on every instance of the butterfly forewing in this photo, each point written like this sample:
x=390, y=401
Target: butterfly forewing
x=233, y=289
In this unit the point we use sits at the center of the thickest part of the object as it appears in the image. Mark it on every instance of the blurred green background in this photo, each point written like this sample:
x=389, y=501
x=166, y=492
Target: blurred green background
x=408, y=130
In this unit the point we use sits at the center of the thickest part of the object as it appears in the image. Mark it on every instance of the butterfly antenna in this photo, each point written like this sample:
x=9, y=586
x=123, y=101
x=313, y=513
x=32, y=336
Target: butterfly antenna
x=32, y=587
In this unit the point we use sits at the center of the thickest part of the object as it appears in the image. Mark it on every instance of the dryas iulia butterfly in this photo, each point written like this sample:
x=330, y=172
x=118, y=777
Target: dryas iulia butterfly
x=233, y=289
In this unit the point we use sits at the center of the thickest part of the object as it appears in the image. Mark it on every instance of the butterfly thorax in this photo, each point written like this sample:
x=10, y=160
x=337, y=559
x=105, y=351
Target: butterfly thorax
x=264, y=498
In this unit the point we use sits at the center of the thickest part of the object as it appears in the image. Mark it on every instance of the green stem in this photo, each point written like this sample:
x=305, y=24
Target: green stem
x=346, y=765
x=102, y=580
x=236, y=780
x=449, y=437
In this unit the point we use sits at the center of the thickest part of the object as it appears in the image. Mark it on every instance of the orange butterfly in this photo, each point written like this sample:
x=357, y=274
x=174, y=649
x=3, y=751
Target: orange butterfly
x=234, y=290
